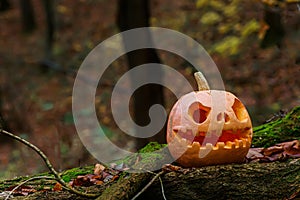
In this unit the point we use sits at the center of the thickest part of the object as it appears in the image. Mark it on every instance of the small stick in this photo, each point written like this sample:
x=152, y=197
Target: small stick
x=201, y=81
x=162, y=188
x=148, y=185
x=49, y=165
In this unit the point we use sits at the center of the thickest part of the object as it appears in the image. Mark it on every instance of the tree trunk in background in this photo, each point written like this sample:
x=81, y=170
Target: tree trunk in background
x=275, y=33
x=27, y=15
x=29, y=23
x=134, y=14
x=4, y=5
x=49, y=11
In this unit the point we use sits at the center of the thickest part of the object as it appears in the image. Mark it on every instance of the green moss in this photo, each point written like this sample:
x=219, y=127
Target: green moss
x=147, y=155
x=280, y=130
x=151, y=147
x=70, y=174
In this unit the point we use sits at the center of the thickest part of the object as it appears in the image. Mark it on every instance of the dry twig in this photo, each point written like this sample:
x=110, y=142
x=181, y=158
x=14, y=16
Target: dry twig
x=150, y=183
x=58, y=178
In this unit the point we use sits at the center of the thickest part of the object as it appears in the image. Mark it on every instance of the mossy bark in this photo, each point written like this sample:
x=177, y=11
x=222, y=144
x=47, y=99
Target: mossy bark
x=240, y=181
x=277, y=180
x=284, y=129
x=153, y=156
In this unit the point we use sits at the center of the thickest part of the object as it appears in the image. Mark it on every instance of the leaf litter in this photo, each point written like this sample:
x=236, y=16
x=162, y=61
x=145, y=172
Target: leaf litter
x=279, y=152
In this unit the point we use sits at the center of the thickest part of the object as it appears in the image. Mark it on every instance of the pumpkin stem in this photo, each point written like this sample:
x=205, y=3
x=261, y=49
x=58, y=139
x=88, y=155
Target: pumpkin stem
x=201, y=81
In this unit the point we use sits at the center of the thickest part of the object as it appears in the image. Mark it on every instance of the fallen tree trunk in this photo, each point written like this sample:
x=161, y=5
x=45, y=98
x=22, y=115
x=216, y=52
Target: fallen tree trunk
x=247, y=181
x=127, y=187
x=274, y=180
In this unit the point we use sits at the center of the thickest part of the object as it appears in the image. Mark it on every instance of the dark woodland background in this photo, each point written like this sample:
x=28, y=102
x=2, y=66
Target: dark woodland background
x=42, y=43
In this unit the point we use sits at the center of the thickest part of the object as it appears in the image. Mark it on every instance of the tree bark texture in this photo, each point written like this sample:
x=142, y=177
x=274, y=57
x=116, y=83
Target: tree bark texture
x=247, y=181
x=49, y=11
x=4, y=5
x=27, y=14
x=263, y=181
x=135, y=14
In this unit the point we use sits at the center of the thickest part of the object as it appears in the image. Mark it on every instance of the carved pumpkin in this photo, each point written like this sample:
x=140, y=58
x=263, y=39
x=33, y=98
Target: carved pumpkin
x=201, y=132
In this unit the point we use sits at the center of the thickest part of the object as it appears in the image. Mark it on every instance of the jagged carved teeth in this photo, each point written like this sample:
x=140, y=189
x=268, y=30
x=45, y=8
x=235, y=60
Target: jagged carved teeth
x=242, y=143
x=233, y=138
x=195, y=132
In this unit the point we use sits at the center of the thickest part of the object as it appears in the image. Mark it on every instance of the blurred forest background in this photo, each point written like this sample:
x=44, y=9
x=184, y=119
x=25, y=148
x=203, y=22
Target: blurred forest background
x=255, y=44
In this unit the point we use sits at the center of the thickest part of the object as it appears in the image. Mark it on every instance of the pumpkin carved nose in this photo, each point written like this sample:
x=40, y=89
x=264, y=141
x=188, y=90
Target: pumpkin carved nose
x=223, y=116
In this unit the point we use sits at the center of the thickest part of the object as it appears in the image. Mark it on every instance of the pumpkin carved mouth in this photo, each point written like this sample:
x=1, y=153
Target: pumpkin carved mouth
x=202, y=149
x=238, y=138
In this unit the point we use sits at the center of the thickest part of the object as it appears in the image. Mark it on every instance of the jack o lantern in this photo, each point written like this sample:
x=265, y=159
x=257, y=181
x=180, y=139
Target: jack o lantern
x=208, y=127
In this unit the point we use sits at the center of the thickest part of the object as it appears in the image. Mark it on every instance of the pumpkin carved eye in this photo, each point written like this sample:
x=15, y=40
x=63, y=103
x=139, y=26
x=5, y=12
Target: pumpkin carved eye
x=239, y=110
x=198, y=112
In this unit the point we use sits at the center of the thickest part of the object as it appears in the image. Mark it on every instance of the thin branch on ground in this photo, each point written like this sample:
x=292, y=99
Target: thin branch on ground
x=58, y=178
x=149, y=184
x=162, y=188
x=295, y=195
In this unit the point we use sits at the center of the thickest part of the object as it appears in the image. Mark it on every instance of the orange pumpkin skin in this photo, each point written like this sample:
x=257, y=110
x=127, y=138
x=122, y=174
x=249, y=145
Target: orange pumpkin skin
x=191, y=137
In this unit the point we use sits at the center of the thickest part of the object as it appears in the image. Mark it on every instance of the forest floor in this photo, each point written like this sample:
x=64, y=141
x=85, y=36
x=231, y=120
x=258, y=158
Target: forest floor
x=37, y=102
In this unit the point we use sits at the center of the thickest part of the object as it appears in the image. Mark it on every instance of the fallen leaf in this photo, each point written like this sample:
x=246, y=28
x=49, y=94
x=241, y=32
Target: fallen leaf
x=57, y=187
x=22, y=190
x=99, y=182
x=279, y=152
x=272, y=150
x=292, y=148
x=86, y=180
x=99, y=169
